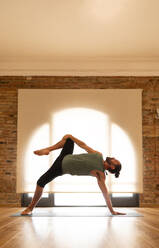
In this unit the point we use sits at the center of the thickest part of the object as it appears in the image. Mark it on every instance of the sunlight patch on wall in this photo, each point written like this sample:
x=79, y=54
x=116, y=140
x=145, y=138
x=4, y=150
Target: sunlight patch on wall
x=97, y=131
x=88, y=125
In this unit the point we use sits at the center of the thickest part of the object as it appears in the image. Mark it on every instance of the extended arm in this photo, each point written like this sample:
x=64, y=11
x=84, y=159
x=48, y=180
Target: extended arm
x=81, y=144
x=104, y=190
x=101, y=183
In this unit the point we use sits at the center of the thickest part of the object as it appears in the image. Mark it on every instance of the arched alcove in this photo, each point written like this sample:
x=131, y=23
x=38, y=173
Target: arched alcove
x=99, y=132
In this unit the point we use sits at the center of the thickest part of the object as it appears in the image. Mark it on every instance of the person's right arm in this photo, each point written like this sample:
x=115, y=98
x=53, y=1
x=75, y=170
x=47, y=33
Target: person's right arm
x=101, y=183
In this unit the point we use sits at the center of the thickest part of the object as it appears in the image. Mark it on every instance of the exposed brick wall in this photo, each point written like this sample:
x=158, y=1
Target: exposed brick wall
x=8, y=126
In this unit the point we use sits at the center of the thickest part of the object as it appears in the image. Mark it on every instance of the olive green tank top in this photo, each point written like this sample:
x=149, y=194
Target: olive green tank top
x=82, y=164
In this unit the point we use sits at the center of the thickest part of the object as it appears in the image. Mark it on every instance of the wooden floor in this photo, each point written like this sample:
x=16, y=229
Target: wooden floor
x=79, y=232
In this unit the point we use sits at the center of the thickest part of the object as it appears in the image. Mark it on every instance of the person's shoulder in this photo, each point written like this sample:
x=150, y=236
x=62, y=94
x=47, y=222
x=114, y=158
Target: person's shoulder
x=94, y=154
x=99, y=154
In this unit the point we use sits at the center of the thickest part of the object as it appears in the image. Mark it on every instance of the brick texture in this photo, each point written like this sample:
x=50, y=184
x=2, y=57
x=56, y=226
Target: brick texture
x=8, y=126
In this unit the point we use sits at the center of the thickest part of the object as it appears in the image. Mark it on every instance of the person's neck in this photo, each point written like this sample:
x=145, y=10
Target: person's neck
x=106, y=165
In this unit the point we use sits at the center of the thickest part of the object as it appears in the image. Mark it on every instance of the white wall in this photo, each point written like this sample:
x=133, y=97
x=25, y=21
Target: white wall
x=108, y=120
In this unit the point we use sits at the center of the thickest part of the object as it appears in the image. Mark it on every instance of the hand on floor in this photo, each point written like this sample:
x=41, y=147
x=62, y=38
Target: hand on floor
x=117, y=213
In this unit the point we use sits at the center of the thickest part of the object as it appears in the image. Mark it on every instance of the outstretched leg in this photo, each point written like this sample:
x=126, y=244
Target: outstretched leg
x=47, y=150
x=54, y=171
x=36, y=198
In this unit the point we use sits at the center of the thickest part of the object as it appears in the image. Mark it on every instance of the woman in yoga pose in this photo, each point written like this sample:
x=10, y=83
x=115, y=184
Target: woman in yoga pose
x=90, y=163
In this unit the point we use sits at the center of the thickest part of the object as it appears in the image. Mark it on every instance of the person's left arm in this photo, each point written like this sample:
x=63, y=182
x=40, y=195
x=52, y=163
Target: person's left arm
x=81, y=144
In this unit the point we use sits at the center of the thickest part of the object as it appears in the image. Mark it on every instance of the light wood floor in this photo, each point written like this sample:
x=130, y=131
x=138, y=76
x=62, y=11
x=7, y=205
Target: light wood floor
x=79, y=232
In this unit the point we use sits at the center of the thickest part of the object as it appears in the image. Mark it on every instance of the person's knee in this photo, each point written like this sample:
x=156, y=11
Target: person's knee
x=70, y=143
x=69, y=139
x=40, y=183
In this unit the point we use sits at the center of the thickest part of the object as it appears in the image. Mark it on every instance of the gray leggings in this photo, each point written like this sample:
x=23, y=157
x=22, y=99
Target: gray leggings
x=56, y=169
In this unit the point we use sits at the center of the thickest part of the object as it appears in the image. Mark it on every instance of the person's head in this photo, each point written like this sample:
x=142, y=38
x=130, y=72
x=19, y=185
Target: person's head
x=113, y=166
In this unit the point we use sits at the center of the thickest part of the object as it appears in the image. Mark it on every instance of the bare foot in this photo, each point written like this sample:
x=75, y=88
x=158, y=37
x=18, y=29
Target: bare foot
x=42, y=152
x=27, y=211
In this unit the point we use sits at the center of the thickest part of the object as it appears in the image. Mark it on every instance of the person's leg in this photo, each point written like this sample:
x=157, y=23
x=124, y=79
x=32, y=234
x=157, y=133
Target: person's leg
x=47, y=150
x=47, y=177
x=36, y=198
x=66, y=144
x=67, y=148
x=54, y=171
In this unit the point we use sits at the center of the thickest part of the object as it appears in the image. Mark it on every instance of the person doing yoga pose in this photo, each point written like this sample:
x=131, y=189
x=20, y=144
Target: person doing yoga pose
x=90, y=164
